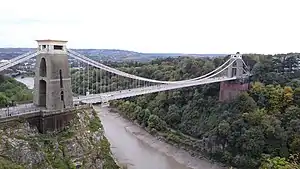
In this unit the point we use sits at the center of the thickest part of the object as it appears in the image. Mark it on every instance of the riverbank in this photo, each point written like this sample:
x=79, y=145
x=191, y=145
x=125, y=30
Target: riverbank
x=28, y=81
x=138, y=149
x=180, y=159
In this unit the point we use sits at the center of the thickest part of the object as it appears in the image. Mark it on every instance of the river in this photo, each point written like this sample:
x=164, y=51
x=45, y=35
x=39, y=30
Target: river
x=136, y=148
x=28, y=81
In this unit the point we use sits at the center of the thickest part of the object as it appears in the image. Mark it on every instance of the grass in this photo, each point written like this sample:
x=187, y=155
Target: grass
x=95, y=124
x=7, y=164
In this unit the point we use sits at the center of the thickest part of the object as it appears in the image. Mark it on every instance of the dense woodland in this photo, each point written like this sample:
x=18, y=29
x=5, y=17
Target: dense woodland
x=12, y=92
x=259, y=129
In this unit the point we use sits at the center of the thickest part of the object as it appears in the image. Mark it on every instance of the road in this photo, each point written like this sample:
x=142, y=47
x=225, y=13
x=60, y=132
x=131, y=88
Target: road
x=104, y=97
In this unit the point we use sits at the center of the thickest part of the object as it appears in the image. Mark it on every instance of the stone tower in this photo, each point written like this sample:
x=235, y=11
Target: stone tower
x=237, y=67
x=231, y=89
x=52, y=83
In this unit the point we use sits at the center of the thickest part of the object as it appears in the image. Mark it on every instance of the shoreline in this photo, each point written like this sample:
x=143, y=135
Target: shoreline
x=178, y=154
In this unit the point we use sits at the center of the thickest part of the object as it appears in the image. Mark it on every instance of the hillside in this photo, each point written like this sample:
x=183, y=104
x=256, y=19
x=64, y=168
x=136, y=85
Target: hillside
x=107, y=54
x=259, y=129
x=81, y=144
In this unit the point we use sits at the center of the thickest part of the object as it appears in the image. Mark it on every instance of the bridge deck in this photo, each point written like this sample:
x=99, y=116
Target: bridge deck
x=104, y=97
x=20, y=111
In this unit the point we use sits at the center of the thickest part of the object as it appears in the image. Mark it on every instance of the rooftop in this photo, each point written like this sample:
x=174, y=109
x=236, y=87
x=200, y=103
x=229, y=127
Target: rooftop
x=3, y=61
x=51, y=40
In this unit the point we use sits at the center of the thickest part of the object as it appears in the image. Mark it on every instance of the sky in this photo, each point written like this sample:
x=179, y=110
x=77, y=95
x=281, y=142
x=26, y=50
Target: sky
x=167, y=26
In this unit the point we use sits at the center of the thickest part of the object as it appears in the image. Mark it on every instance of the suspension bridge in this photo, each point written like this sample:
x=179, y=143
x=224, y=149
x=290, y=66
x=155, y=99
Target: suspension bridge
x=56, y=88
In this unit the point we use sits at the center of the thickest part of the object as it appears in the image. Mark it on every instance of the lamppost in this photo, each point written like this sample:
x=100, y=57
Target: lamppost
x=7, y=105
x=12, y=103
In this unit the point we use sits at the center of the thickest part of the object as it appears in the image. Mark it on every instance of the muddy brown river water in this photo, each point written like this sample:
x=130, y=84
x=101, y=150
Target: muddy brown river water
x=136, y=148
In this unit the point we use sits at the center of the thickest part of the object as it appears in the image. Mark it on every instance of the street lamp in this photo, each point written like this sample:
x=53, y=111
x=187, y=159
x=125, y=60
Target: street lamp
x=12, y=103
x=7, y=105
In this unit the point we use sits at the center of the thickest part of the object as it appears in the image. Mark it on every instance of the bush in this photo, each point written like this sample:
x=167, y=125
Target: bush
x=174, y=138
x=155, y=122
x=278, y=163
x=95, y=124
x=4, y=163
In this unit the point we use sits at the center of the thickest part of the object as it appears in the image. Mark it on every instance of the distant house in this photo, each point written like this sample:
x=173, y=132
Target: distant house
x=3, y=61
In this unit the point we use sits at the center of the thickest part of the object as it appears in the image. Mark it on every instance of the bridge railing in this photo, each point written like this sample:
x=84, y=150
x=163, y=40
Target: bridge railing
x=11, y=113
x=7, y=113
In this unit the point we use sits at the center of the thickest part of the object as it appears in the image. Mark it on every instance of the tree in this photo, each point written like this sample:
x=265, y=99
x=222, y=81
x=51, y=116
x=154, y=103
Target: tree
x=155, y=122
x=173, y=116
x=245, y=103
x=146, y=117
x=287, y=96
x=278, y=163
x=264, y=121
x=274, y=96
x=3, y=100
x=297, y=96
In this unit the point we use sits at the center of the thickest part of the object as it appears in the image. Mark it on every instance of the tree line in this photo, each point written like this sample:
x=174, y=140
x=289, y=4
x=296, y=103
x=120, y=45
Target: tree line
x=259, y=129
x=12, y=92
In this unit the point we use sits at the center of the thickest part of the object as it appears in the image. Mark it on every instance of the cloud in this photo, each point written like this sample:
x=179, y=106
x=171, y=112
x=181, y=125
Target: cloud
x=36, y=21
x=193, y=26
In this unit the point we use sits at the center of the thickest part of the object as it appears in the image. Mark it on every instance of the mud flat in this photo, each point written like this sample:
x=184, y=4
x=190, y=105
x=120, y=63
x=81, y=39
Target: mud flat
x=138, y=149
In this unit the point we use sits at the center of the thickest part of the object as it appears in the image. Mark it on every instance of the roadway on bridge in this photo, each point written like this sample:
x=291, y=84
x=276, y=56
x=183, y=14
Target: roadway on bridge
x=104, y=97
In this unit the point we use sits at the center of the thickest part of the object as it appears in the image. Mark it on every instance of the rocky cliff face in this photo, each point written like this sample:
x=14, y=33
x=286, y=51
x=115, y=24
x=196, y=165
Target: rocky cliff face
x=81, y=145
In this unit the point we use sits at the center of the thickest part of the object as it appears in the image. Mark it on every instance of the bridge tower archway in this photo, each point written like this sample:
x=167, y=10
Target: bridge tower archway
x=43, y=68
x=42, y=93
x=236, y=69
x=231, y=89
x=52, y=85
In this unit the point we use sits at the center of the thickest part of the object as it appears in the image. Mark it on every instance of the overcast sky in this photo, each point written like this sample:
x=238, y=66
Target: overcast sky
x=185, y=26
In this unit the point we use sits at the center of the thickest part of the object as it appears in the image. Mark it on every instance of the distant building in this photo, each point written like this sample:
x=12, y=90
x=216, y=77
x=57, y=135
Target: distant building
x=3, y=61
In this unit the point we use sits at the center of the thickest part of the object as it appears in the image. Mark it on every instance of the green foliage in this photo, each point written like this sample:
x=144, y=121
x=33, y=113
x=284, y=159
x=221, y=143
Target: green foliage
x=173, y=138
x=12, y=91
x=76, y=144
x=106, y=155
x=155, y=122
x=7, y=164
x=3, y=99
x=67, y=134
x=59, y=163
x=278, y=163
x=95, y=124
x=264, y=120
x=167, y=69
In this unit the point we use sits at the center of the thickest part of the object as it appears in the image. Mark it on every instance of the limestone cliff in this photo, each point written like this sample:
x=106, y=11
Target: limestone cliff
x=81, y=145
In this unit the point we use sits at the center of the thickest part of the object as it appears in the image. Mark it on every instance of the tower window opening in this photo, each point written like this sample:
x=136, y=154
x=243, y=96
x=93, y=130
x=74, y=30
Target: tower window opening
x=234, y=64
x=233, y=72
x=44, y=46
x=58, y=47
x=42, y=93
x=43, y=68
x=62, y=96
x=60, y=79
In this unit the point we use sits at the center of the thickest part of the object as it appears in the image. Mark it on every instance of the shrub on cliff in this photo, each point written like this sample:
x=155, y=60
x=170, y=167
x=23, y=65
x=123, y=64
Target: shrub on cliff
x=155, y=122
x=95, y=124
x=4, y=163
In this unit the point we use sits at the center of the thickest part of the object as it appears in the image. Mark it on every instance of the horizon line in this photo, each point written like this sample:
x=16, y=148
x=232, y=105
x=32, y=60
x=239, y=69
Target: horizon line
x=182, y=53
